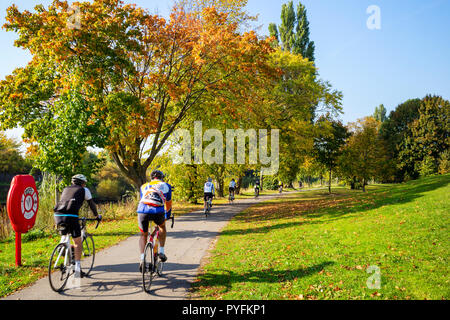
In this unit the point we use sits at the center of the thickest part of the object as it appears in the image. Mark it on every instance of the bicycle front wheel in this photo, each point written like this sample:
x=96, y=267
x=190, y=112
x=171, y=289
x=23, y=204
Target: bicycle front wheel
x=148, y=267
x=59, y=267
x=88, y=255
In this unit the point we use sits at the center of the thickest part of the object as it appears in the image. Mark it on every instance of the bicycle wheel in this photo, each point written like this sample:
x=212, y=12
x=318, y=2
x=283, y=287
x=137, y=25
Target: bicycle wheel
x=58, y=270
x=148, y=268
x=88, y=255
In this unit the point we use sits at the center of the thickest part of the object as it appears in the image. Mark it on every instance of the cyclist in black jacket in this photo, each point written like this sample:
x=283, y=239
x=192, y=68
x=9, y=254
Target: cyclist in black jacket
x=66, y=212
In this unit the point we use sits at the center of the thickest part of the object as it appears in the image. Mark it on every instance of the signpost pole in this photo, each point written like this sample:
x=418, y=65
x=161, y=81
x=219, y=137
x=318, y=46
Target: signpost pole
x=18, y=249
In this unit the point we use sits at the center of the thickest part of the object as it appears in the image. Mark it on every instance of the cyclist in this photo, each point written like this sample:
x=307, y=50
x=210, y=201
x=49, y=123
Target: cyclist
x=257, y=186
x=66, y=213
x=280, y=186
x=231, y=188
x=155, y=205
x=208, y=191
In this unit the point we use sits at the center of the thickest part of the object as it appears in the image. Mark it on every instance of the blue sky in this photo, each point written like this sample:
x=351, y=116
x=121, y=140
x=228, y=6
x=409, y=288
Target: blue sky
x=408, y=57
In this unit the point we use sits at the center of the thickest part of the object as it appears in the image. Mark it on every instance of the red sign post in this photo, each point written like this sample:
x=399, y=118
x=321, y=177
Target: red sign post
x=22, y=206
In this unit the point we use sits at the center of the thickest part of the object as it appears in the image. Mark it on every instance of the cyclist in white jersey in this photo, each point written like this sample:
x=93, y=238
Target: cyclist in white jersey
x=208, y=191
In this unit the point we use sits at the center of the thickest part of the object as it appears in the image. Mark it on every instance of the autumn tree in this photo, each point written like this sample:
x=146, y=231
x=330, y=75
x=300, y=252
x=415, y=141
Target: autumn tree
x=136, y=75
x=364, y=156
x=11, y=160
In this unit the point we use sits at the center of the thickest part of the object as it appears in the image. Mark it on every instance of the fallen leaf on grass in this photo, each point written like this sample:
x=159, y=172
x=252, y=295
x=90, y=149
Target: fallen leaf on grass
x=376, y=294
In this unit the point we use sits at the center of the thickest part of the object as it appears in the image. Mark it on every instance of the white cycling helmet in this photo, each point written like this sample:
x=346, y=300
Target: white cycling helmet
x=79, y=178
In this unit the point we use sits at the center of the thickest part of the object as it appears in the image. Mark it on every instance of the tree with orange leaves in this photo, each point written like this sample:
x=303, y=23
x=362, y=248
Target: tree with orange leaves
x=138, y=75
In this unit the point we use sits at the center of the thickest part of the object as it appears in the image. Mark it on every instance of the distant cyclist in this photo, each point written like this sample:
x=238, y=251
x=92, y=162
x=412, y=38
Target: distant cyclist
x=155, y=205
x=257, y=187
x=208, y=191
x=232, y=188
x=280, y=186
x=66, y=212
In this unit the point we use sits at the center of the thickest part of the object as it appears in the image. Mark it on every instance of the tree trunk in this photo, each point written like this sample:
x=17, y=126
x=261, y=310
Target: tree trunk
x=329, y=184
x=364, y=185
x=239, y=185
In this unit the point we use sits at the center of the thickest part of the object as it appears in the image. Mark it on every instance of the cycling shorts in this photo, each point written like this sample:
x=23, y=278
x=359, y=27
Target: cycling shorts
x=144, y=220
x=207, y=195
x=71, y=223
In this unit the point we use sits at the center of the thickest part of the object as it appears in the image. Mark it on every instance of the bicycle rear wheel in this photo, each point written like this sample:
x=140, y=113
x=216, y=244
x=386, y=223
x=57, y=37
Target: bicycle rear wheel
x=148, y=267
x=88, y=255
x=58, y=270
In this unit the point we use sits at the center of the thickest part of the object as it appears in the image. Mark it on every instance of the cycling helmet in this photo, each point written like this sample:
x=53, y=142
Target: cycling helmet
x=79, y=179
x=157, y=174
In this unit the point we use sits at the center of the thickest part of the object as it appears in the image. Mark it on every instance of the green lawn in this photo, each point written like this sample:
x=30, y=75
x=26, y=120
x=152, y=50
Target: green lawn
x=318, y=246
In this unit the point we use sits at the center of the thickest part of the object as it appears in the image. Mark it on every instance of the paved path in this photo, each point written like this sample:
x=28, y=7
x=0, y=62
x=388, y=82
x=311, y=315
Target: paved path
x=115, y=274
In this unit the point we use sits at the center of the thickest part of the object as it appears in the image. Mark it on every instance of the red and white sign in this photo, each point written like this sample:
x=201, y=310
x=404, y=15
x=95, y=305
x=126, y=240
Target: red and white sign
x=22, y=203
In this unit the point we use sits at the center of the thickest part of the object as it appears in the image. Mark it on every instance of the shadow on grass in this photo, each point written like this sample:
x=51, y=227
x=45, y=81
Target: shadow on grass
x=319, y=207
x=228, y=278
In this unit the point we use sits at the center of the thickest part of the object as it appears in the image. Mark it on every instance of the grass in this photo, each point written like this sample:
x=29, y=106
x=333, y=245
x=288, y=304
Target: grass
x=37, y=245
x=36, y=251
x=318, y=246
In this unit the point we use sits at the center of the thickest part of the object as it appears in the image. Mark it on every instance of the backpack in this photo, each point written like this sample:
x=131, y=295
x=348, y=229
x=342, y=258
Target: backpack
x=153, y=197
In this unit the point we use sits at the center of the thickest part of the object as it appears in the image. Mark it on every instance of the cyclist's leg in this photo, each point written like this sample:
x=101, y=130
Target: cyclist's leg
x=160, y=220
x=143, y=221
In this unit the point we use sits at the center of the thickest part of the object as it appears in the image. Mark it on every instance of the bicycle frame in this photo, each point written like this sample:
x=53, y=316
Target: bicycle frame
x=66, y=240
x=153, y=238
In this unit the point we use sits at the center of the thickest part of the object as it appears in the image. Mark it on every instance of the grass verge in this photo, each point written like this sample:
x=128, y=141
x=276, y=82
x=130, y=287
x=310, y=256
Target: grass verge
x=318, y=246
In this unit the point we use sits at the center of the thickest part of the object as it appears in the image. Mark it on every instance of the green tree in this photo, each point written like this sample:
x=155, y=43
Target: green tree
x=328, y=144
x=293, y=33
x=303, y=45
x=380, y=113
x=427, y=138
x=394, y=130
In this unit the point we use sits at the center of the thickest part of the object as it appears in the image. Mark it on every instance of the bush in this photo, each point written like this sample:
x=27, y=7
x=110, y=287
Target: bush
x=270, y=183
x=427, y=167
x=110, y=189
x=444, y=162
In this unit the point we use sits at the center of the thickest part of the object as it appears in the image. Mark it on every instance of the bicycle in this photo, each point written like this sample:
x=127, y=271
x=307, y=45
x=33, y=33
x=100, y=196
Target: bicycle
x=62, y=260
x=152, y=265
x=231, y=198
x=256, y=192
x=207, y=210
x=280, y=189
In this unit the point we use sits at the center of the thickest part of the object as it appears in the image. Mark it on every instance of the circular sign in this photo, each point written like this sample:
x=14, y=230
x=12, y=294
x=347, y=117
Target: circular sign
x=29, y=203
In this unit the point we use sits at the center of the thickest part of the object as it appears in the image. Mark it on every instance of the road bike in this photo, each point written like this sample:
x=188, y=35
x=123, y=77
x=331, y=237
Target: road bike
x=62, y=260
x=256, y=192
x=152, y=265
x=231, y=198
x=207, y=209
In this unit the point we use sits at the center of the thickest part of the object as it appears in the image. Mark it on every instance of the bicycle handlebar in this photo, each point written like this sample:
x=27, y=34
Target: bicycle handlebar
x=96, y=219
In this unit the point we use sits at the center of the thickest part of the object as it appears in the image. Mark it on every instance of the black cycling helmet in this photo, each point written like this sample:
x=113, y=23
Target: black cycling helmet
x=157, y=174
